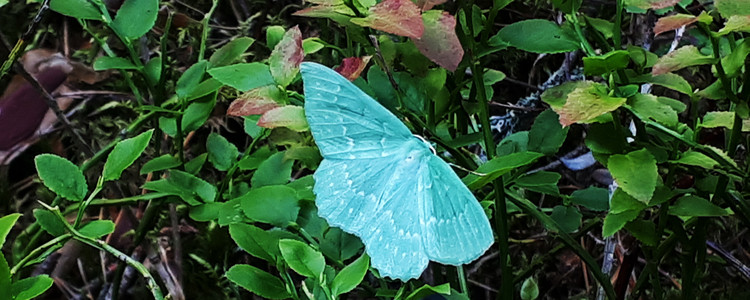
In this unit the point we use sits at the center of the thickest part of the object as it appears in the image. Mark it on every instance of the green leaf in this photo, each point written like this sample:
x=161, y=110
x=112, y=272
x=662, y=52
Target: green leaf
x=615, y=222
x=350, y=276
x=108, y=62
x=258, y=281
x=290, y=116
x=309, y=156
x=135, y=18
x=607, y=63
x=586, y=102
x=274, y=170
x=253, y=161
x=499, y=166
x=191, y=189
x=251, y=126
x=736, y=24
x=642, y=57
x=693, y=158
x=606, y=139
x=715, y=119
x=542, y=182
x=166, y=161
x=339, y=245
x=204, y=88
x=230, y=52
x=529, y=288
x=605, y=27
x=244, y=77
x=635, y=173
x=231, y=213
x=276, y=205
x=426, y=290
x=221, y=152
x=97, y=228
x=124, y=154
x=194, y=165
x=546, y=135
x=538, y=36
x=683, y=57
x=286, y=57
x=206, y=212
x=5, y=280
x=593, y=198
x=152, y=70
x=195, y=115
x=49, y=222
x=61, y=176
x=312, y=45
x=274, y=34
x=29, y=288
x=568, y=217
x=558, y=95
x=302, y=258
x=190, y=79
x=734, y=62
x=622, y=202
x=255, y=241
x=514, y=143
x=644, y=231
x=6, y=224
x=728, y=8
x=674, y=82
x=82, y=9
x=648, y=105
x=694, y=206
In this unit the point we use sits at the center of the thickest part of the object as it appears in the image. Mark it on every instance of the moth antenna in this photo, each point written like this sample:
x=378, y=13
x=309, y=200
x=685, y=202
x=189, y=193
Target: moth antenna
x=467, y=170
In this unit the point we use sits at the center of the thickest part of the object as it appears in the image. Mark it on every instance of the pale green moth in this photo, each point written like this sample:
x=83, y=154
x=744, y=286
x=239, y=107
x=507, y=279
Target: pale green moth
x=384, y=185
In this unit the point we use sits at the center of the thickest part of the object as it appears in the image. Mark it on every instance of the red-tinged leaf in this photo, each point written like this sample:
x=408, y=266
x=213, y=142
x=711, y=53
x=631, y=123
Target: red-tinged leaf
x=439, y=41
x=255, y=102
x=652, y=4
x=339, y=13
x=673, y=22
x=426, y=5
x=286, y=57
x=352, y=67
x=326, y=2
x=736, y=24
x=290, y=116
x=588, y=101
x=681, y=58
x=400, y=17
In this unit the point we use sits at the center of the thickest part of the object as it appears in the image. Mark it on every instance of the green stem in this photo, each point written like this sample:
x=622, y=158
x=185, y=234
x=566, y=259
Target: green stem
x=38, y=250
x=101, y=245
x=462, y=281
x=501, y=211
x=206, y=28
x=616, y=33
x=82, y=207
x=594, y=267
x=582, y=38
